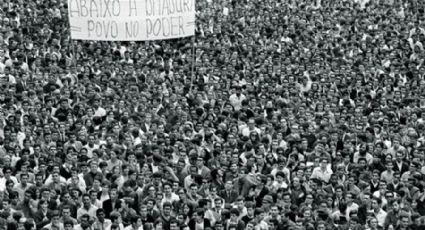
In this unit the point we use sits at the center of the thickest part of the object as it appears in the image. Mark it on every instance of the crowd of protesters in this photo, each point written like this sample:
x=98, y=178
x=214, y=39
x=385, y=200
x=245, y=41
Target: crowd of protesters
x=278, y=114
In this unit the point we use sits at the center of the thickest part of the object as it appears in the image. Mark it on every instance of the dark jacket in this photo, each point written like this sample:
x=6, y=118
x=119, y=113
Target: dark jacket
x=107, y=206
x=38, y=218
x=228, y=198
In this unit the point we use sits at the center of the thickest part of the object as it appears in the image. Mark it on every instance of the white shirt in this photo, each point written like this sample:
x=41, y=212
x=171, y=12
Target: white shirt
x=322, y=175
x=380, y=216
x=246, y=131
x=100, y=112
x=352, y=207
x=90, y=149
x=171, y=199
x=3, y=182
x=91, y=212
x=81, y=183
x=50, y=180
x=236, y=101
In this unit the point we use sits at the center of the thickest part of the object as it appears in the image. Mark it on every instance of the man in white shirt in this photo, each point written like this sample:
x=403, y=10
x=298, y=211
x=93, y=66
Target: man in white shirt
x=87, y=208
x=169, y=196
x=250, y=128
x=237, y=98
x=379, y=214
x=322, y=172
x=351, y=205
x=98, y=111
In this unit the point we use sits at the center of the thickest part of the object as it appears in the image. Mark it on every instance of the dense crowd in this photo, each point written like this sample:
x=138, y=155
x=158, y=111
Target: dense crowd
x=278, y=114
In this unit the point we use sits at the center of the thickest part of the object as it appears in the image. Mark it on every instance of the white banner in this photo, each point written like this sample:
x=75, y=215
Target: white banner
x=131, y=20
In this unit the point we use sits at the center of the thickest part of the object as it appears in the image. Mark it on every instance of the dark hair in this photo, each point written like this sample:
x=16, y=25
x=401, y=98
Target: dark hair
x=134, y=219
x=167, y=204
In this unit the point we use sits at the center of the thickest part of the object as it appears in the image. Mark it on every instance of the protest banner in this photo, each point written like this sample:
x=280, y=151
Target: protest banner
x=131, y=20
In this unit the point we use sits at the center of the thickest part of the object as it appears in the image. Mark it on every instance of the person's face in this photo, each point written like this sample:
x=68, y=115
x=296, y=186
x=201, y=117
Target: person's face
x=93, y=167
x=167, y=189
x=274, y=211
x=86, y=201
x=24, y=179
x=323, y=164
x=339, y=192
x=101, y=216
x=174, y=226
x=167, y=210
x=412, y=167
x=55, y=177
x=66, y=212
x=382, y=185
x=404, y=222
x=374, y=204
x=158, y=226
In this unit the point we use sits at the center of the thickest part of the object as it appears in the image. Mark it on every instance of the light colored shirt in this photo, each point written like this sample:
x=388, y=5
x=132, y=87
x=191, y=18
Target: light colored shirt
x=171, y=199
x=323, y=175
x=91, y=212
x=352, y=207
x=380, y=216
x=102, y=226
x=236, y=101
x=387, y=176
x=21, y=190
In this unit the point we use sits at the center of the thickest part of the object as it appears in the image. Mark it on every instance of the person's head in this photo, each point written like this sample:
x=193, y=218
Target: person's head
x=136, y=221
x=174, y=224
x=382, y=185
x=100, y=214
x=85, y=220
x=86, y=200
x=323, y=162
x=199, y=215
x=24, y=178
x=55, y=218
x=404, y=221
x=362, y=163
x=228, y=185
x=115, y=217
x=113, y=193
x=234, y=214
x=167, y=188
x=93, y=166
x=194, y=188
x=399, y=156
x=274, y=211
x=373, y=223
x=395, y=205
x=349, y=197
x=376, y=203
x=45, y=193
x=167, y=208
x=389, y=165
x=158, y=225
x=68, y=224
x=200, y=162
x=321, y=225
x=66, y=211
x=55, y=177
